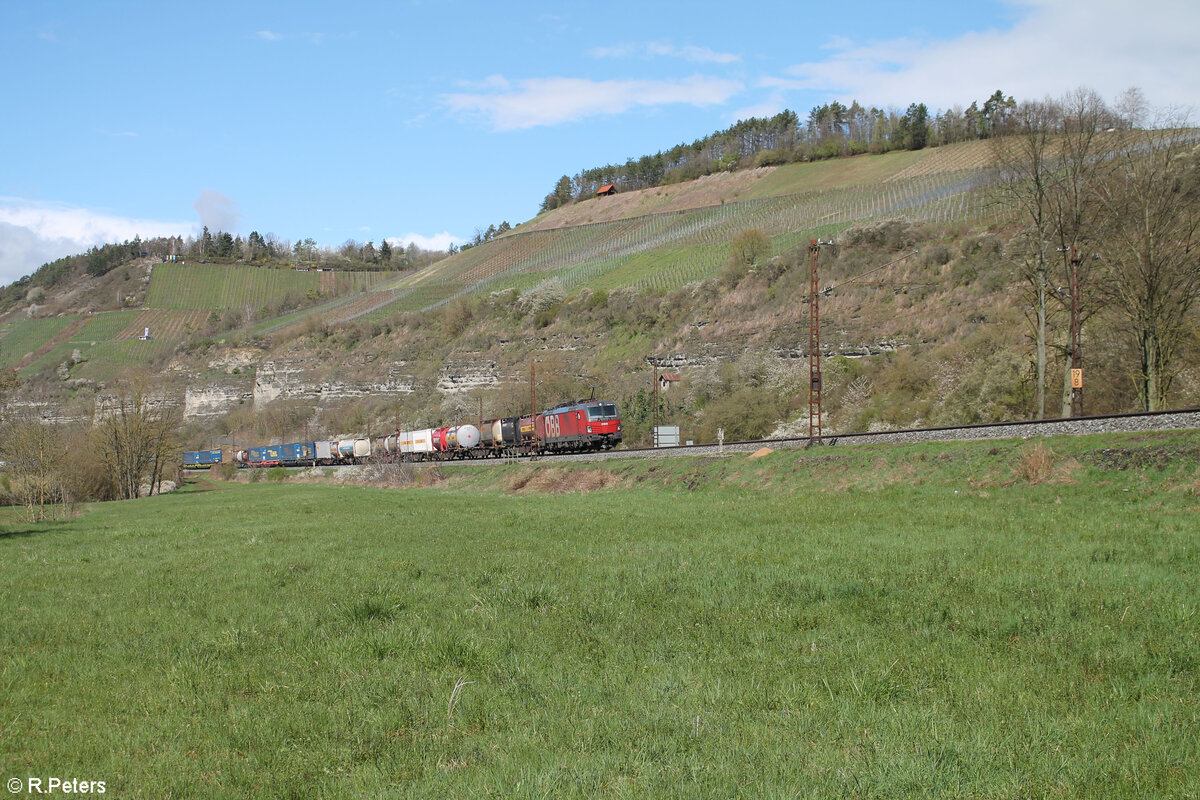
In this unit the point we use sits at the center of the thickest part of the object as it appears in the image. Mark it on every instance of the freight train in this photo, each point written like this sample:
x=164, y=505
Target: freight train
x=581, y=426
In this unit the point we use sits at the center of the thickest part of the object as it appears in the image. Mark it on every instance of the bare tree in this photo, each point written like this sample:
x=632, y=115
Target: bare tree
x=36, y=458
x=1027, y=164
x=1050, y=160
x=8, y=383
x=1082, y=149
x=1150, y=201
x=136, y=435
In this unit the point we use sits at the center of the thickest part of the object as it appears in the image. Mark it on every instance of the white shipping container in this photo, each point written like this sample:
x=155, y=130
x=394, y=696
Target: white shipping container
x=416, y=441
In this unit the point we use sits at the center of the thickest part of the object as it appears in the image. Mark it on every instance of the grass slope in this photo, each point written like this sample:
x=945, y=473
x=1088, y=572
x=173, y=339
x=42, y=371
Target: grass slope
x=871, y=622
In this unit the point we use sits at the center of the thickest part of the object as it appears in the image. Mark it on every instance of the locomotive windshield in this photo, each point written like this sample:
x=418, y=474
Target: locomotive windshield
x=601, y=411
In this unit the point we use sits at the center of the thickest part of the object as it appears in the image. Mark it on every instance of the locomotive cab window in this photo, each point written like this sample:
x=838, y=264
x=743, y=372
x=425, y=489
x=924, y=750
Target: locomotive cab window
x=601, y=411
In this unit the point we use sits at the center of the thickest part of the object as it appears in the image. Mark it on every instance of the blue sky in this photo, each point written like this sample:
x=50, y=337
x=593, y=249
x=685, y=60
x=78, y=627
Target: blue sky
x=422, y=121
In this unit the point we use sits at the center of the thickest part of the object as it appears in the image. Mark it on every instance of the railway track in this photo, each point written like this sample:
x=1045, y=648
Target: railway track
x=1080, y=426
x=1183, y=419
x=1105, y=423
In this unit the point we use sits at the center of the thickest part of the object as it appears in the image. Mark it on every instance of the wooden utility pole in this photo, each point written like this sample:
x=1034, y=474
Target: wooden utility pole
x=1076, y=344
x=654, y=410
x=814, y=348
x=533, y=399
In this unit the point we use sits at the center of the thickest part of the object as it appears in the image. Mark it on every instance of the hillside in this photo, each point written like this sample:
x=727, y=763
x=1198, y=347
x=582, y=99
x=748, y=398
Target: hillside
x=926, y=324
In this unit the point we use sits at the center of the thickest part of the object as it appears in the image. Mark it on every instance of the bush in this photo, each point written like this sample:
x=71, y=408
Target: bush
x=936, y=256
x=598, y=299
x=546, y=316
x=541, y=297
x=1036, y=463
x=892, y=234
x=277, y=474
x=456, y=317
x=225, y=471
x=732, y=273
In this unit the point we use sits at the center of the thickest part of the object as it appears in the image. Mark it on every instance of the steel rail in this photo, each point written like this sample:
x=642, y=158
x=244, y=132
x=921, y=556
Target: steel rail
x=1063, y=425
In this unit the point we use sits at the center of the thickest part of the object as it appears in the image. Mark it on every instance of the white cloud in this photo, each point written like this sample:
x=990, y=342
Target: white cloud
x=1054, y=46
x=439, y=241
x=217, y=211
x=269, y=36
x=702, y=55
x=552, y=101
x=33, y=233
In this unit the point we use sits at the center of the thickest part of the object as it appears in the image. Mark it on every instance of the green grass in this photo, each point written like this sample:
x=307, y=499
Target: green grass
x=862, y=622
x=19, y=339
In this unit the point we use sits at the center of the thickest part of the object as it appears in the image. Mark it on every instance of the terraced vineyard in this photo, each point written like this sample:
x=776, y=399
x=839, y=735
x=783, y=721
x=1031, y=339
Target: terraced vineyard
x=664, y=251
x=24, y=338
x=109, y=341
x=165, y=324
x=215, y=286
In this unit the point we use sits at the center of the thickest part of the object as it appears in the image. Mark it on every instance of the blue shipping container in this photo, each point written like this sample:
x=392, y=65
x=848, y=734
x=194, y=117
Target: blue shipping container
x=298, y=453
x=201, y=458
x=264, y=455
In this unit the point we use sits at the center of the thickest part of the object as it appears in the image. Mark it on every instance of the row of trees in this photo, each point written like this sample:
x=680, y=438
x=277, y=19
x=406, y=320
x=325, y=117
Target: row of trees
x=1122, y=185
x=131, y=447
x=830, y=130
x=482, y=236
x=96, y=261
x=258, y=248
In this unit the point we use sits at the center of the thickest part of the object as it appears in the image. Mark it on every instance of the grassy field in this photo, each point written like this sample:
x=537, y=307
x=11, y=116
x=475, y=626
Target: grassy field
x=959, y=620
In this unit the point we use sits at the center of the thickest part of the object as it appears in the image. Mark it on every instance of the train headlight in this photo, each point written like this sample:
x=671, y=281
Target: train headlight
x=589, y=428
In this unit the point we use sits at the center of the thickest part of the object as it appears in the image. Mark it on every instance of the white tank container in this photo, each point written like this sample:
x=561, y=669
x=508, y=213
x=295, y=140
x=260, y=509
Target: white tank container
x=464, y=436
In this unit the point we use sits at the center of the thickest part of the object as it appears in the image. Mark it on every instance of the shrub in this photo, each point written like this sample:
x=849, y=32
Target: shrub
x=546, y=316
x=225, y=471
x=541, y=297
x=456, y=317
x=598, y=299
x=936, y=256
x=892, y=234
x=277, y=474
x=1036, y=463
x=732, y=273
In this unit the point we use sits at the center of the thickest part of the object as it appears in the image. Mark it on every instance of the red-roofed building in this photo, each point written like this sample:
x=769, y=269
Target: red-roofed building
x=607, y=190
